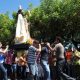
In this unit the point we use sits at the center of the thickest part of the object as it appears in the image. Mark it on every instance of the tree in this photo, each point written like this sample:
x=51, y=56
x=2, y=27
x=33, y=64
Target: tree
x=56, y=17
x=6, y=29
x=51, y=18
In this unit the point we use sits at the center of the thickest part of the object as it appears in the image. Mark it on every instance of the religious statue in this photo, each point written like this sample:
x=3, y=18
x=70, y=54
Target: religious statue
x=22, y=31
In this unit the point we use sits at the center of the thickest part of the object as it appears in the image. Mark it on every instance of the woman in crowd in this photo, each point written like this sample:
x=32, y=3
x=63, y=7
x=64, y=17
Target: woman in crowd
x=21, y=66
x=8, y=62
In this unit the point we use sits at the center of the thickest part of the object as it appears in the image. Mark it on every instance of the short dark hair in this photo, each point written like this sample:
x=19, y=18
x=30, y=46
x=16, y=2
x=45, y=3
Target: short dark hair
x=36, y=42
x=59, y=39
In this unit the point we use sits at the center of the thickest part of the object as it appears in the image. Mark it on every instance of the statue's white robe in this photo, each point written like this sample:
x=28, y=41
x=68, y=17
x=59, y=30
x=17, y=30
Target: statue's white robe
x=22, y=32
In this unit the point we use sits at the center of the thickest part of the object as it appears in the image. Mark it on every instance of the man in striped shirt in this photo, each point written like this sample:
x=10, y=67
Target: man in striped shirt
x=33, y=49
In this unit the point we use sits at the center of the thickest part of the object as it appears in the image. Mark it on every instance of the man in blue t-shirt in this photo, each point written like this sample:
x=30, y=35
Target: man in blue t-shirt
x=44, y=62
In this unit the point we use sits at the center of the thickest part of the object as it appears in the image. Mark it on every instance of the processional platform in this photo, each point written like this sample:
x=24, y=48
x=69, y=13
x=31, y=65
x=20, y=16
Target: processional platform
x=21, y=46
x=22, y=34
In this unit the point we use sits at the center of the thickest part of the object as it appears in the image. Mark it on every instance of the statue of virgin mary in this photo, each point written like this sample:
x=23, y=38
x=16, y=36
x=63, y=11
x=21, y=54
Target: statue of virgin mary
x=22, y=32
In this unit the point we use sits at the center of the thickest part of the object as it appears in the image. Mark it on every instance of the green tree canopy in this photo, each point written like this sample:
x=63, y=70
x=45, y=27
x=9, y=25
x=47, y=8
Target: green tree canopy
x=6, y=29
x=56, y=17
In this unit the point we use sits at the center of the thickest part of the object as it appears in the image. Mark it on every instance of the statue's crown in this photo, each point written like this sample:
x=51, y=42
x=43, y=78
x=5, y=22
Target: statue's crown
x=20, y=7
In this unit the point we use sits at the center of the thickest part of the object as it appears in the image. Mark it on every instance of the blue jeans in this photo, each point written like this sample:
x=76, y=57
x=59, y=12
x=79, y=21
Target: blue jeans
x=14, y=71
x=46, y=69
x=4, y=72
x=14, y=68
x=60, y=66
x=33, y=70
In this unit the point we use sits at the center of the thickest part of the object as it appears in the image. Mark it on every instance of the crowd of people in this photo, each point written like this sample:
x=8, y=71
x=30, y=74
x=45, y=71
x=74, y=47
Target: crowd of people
x=41, y=61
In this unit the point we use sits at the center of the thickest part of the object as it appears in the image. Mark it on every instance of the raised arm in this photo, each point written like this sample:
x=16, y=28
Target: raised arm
x=51, y=49
x=39, y=49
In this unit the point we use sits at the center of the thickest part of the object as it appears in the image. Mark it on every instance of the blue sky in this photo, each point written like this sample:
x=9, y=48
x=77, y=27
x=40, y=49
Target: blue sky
x=13, y=5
